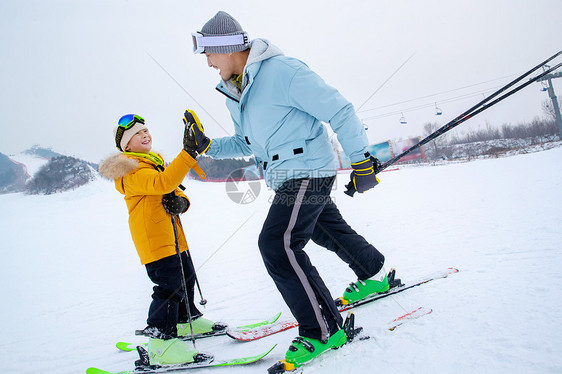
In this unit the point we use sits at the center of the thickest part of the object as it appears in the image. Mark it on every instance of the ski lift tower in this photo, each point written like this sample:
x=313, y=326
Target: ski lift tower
x=552, y=95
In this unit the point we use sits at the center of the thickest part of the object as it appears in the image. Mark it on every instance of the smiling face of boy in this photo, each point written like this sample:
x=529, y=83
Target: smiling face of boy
x=141, y=142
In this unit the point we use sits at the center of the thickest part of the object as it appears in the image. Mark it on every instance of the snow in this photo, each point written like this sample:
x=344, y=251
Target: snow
x=31, y=162
x=73, y=285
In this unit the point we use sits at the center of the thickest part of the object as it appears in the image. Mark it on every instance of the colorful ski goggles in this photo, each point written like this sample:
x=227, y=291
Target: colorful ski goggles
x=128, y=120
x=125, y=123
x=201, y=41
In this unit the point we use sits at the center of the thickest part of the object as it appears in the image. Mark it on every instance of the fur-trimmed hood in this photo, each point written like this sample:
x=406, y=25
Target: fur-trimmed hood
x=117, y=166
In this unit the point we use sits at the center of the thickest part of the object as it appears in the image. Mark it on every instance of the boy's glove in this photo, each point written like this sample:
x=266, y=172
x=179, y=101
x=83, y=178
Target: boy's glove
x=363, y=175
x=174, y=204
x=189, y=142
x=191, y=122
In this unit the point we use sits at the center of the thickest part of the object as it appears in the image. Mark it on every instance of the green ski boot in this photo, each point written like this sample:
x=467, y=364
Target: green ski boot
x=171, y=351
x=200, y=326
x=304, y=349
x=364, y=288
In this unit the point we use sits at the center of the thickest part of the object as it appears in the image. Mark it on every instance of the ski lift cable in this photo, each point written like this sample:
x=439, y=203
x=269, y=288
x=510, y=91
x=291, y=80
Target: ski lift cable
x=455, y=98
x=188, y=94
x=436, y=94
x=427, y=105
x=424, y=106
x=383, y=83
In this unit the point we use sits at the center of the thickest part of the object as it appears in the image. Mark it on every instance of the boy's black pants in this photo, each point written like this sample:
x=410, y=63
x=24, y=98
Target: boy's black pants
x=301, y=210
x=168, y=304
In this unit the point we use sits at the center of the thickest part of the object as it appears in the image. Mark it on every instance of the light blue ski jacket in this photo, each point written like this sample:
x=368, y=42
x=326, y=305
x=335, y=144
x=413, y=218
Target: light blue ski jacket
x=278, y=118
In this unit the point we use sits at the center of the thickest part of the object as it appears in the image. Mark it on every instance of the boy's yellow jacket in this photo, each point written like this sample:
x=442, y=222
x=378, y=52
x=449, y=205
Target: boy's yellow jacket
x=143, y=186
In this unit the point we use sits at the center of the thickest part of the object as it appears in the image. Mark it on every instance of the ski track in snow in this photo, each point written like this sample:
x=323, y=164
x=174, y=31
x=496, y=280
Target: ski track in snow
x=73, y=285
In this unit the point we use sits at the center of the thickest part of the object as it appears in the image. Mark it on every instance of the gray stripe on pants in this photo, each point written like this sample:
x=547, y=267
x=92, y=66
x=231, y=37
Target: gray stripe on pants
x=298, y=270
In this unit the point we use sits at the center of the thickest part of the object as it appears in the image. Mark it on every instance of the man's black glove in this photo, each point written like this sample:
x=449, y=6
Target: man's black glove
x=376, y=164
x=364, y=172
x=174, y=204
x=202, y=142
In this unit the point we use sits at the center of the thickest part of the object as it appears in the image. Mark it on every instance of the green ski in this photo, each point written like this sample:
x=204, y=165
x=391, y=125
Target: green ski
x=208, y=362
x=128, y=347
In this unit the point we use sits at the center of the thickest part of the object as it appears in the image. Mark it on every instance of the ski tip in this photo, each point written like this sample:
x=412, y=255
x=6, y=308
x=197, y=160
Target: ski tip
x=96, y=371
x=262, y=323
x=268, y=351
x=246, y=360
x=417, y=313
x=262, y=355
x=125, y=346
x=276, y=317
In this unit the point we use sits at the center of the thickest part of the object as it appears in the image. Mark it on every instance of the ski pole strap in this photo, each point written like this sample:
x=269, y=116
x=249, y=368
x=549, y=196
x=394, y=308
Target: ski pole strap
x=200, y=173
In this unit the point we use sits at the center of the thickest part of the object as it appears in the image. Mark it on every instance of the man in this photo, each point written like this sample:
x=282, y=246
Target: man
x=277, y=104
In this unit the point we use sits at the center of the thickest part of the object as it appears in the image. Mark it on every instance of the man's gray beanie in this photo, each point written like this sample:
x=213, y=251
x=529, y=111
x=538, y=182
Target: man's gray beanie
x=223, y=24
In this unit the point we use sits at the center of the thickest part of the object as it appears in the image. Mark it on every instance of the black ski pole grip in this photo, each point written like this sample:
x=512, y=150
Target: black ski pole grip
x=350, y=189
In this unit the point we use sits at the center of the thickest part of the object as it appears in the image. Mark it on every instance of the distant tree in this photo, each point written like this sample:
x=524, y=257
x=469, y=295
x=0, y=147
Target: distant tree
x=548, y=109
x=434, y=149
x=480, y=135
x=490, y=140
x=538, y=129
x=60, y=174
x=221, y=168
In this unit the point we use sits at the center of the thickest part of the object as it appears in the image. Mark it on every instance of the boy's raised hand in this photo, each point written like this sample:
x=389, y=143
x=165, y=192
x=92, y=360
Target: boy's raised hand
x=189, y=142
x=192, y=123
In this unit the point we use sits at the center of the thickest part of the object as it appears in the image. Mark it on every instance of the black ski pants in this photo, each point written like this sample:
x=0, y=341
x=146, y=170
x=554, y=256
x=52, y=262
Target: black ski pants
x=168, y=297
x=301, y=210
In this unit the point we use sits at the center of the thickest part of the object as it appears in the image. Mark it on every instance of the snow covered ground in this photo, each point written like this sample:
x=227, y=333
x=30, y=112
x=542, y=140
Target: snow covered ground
x=72, y=284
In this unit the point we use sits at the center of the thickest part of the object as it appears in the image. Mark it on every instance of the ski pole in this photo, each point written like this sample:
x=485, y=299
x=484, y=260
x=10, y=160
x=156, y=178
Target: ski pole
x=476, y=109
x=190, y=319
x=203, y=300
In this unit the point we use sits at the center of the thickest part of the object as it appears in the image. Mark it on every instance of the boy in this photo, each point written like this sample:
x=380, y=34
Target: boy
x=152, y=196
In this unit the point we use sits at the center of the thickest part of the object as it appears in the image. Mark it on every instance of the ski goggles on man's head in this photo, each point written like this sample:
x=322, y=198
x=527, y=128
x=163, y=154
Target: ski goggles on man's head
x=201, y=41
x=128, y=120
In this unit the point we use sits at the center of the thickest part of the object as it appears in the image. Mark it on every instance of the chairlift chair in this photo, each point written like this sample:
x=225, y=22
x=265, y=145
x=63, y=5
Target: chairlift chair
x=403, y=119
x=438, y=110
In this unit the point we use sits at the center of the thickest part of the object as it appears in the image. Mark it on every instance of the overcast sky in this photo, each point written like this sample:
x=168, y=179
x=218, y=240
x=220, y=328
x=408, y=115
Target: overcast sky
x=69, y=69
